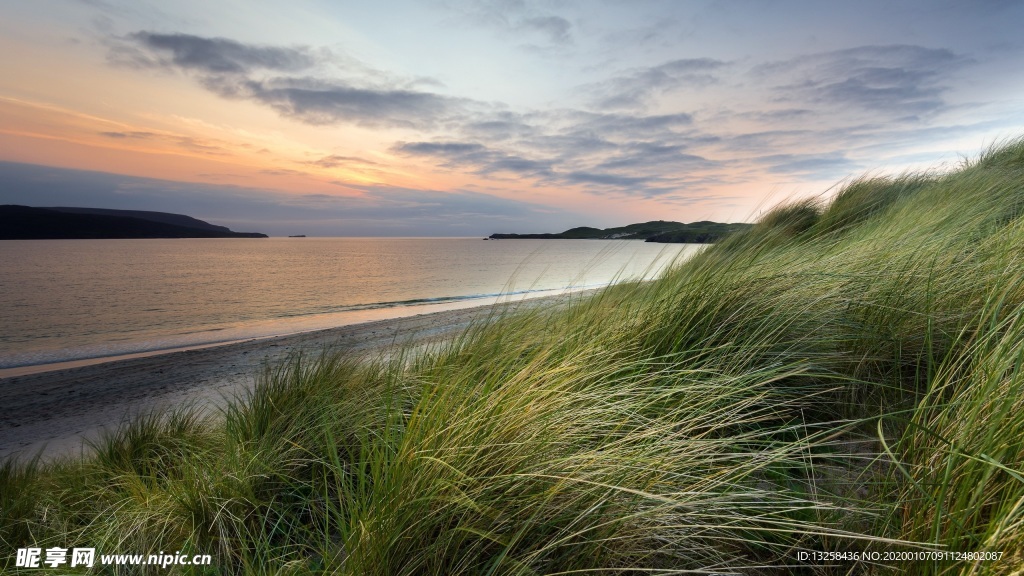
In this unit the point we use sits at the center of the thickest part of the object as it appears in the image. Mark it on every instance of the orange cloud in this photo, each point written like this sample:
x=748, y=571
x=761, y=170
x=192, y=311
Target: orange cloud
x=40, y=133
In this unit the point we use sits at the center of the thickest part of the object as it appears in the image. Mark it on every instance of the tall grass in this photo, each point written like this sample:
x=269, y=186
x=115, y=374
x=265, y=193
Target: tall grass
x=845, y=376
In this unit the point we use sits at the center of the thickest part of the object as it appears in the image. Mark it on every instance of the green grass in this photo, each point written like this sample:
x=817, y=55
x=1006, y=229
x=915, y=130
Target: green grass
x=843, y=376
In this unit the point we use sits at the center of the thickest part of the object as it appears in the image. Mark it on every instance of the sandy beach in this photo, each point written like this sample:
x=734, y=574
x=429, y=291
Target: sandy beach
x=56, y=411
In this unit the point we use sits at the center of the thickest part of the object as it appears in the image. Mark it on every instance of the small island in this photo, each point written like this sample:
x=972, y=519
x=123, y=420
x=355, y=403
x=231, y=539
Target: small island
x=28, y=223
x=703, y=232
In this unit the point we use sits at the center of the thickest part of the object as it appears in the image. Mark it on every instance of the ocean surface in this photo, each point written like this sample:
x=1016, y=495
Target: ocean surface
x=72, y=300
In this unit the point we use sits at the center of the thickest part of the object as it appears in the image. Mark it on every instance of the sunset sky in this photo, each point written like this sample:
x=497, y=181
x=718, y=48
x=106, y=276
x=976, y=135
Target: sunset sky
x=450, y=118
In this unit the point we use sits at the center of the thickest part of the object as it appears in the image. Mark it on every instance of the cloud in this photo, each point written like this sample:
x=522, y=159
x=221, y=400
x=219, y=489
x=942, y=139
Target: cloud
x=601, y=153
x=379, y=211
x=335, y=161
x=555, y=28
x=440, y=149
x=521, y=19
x=320, y=102
x=282, y=172
x=482, y=138
x=636, y=88
x=615, y=148
x=634, y=169
x=480, y=159
x=186, y=142
x=641, y=155
x=814, y=165
x=291, y=81
x=898, y=79
x=606, y=179
x=123, y=135
x=220, y=55
x=635, y=124
x=500, y=127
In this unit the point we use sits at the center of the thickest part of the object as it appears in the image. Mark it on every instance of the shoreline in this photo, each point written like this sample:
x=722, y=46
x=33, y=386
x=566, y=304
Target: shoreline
x=315, y=323
x=54, y=412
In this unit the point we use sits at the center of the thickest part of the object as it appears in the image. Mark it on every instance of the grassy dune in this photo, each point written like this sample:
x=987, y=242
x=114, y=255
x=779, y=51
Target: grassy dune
x=842, y=377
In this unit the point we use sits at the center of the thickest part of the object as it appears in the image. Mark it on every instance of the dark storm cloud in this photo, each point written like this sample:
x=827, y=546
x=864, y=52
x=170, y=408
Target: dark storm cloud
x=636, y=88
x=898, y=79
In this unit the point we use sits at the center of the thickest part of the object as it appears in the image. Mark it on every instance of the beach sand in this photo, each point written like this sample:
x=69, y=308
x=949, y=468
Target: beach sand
x=54, y=412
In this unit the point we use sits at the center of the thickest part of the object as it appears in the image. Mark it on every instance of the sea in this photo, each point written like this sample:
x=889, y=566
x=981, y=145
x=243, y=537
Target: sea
x=67, y=301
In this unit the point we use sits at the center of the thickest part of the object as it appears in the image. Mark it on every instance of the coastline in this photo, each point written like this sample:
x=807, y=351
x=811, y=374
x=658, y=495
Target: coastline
x=54, y=412
x=274, y=328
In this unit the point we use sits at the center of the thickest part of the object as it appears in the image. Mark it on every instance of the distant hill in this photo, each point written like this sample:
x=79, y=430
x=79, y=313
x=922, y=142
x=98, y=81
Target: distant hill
x=27, y=223
x=165, y=217
x=703, y=232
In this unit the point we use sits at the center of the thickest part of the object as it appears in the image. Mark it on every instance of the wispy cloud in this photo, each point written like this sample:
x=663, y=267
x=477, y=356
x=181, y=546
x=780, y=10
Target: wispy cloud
x=824, y=101
x=478, y=158
x=213, y=55
x=598, y=151
x=297, y=82
x=321, y=102
x=525, y=21
x=606, y=179
x=635, y=88
x=817, y=165
x=555, y=28
x=336, y=161
x=190, y=143
x=898, y=79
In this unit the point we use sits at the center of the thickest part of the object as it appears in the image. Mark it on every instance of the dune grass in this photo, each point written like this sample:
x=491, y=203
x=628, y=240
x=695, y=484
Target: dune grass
x=845, y=376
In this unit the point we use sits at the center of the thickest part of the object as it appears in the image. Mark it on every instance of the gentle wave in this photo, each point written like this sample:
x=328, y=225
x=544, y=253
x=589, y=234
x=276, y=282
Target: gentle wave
x=284, y=324
x=89, y=301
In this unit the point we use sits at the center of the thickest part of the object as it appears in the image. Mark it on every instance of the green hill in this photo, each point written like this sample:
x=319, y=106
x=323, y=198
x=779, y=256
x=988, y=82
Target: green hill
x=703, y=232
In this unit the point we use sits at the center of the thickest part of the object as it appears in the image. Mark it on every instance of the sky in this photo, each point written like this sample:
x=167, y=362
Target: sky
x=459, y=118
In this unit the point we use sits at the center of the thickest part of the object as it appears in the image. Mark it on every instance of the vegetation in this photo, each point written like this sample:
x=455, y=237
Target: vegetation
x=845, y=377
x=703, y=232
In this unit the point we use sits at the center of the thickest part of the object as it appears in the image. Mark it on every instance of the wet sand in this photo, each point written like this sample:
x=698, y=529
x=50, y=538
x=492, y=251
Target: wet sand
x=56, y=411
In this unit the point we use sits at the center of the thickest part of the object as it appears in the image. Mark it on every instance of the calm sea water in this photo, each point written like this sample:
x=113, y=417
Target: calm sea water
x=64, y=300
